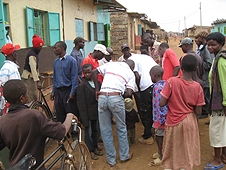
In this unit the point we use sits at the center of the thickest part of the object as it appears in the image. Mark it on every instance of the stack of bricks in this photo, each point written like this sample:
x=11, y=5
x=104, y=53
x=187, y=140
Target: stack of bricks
x=119, y=32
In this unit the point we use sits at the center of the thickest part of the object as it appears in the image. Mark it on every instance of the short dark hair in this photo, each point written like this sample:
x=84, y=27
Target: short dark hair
x=164, y=45
x=189, y=63
x=217, y=36
x=87, y=66
x=62, y=44
x=13, y=90
x=78, y=39
x=144, y=49
x=158, y=70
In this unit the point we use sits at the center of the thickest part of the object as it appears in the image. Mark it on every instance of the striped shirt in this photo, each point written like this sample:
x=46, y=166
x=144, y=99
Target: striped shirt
x=117, y=77
x=9, y=71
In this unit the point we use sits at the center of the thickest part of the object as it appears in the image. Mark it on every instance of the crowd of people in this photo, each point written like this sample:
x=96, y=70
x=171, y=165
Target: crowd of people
x=170, y=93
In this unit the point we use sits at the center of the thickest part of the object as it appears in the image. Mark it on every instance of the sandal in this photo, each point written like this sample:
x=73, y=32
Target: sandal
x=155, y=162
x=155, y=155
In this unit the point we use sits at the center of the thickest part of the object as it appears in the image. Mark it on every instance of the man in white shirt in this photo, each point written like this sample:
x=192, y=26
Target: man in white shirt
x=126, y=53
x=106, y=58
x=143, y=65
x=8, y=71
x=118, y=82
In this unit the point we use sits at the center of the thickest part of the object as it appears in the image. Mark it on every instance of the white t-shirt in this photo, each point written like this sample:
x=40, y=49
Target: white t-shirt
x=117, y=77
x=143, y=65
x=9, y=71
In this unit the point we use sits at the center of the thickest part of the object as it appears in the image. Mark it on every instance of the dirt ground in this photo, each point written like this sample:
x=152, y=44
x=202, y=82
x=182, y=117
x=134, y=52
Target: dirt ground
x=142, y=153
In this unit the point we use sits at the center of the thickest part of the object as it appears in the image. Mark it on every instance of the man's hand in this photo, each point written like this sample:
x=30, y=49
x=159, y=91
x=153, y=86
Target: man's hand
x=97, y=94
x=70, y=97
x=52, y=96
x=39, y=85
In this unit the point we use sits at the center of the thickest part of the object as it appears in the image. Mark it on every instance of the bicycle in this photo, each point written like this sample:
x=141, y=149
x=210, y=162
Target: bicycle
x=41, y=104
x=75, y=157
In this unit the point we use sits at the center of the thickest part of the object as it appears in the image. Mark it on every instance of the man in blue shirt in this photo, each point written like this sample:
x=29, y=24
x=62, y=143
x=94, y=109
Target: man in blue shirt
x=76, y=53
x=65, y=82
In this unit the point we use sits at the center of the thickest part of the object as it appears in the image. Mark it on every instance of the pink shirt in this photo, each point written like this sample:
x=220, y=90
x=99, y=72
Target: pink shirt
x=182, y=97
x=169, y=62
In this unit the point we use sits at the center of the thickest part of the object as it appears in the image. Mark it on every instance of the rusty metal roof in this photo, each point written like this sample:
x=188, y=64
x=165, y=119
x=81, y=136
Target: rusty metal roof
x=110, y=5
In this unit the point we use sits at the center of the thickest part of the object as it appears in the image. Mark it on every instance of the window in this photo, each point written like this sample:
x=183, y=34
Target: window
x=96, y=31
x=139, y=29
x=79, y=28
x=5, y=10
x=43, y=23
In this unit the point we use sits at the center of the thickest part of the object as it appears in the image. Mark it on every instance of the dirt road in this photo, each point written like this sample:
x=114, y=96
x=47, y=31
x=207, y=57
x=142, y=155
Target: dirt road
x=142, y=153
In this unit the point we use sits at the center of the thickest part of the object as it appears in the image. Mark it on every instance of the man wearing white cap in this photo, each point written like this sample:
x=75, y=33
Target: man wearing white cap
x=99, y=52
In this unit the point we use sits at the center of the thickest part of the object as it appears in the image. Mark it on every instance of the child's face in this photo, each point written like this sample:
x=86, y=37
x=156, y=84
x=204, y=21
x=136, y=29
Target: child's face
x=87, y=73
x=24, y=98
x=153, y=77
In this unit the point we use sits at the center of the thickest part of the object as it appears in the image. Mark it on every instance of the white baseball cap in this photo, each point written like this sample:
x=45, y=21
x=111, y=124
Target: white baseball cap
x=101, y=48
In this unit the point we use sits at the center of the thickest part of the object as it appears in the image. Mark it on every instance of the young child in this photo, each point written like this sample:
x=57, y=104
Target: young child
x=24, y=130
x=131, y=120
x=159, y=113
x=88, y=110
x=181, y=144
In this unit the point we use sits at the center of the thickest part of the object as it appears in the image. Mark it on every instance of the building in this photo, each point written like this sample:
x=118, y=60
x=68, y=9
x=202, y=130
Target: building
x=54, y=21
x=128, y=28
x=219, y=26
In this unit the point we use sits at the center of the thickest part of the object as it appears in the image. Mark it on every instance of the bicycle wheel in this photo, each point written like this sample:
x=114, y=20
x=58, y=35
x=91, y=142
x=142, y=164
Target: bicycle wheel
x=80, y=156
x=42, y=108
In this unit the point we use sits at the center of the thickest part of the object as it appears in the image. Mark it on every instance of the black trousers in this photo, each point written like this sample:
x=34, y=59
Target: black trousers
x=206, y=108
x=61, y=105
x=146, y=115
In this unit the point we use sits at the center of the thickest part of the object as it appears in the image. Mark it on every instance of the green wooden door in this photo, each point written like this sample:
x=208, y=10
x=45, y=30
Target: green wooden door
x=2, y=32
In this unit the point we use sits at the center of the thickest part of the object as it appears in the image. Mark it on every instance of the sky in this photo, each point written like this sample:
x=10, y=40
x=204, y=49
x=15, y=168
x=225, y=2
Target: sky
x=176, y=15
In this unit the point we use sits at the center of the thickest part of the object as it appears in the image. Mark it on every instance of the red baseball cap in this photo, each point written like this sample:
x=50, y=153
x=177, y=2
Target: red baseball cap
x=9, y=48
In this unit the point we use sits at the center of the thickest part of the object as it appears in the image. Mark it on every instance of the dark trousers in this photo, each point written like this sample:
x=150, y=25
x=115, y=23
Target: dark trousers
x=137, y=100
x=206, y=109
x=91, y=135
x=146, y=111
x=61, y=105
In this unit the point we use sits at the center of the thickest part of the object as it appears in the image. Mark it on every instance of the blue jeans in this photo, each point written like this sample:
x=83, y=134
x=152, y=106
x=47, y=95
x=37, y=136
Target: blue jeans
x=107, y=106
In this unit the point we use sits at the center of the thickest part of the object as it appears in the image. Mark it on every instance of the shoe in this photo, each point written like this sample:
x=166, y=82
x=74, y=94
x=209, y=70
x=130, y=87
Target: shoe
x=113, y=166
x=213, y=167
x=98, y=153
x=148, y=141
x=99, y=148
x=130, y=157
x=93, y=156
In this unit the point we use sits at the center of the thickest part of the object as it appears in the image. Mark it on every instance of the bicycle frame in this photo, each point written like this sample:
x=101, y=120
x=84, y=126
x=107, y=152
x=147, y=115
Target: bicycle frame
x=64, y=154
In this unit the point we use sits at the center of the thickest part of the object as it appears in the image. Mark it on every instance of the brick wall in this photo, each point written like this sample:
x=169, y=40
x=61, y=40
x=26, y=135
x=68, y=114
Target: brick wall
x=119, y=32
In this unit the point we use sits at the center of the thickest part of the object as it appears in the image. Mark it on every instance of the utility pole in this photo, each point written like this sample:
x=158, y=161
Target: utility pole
x=200, y=15
x=179, y=26
x=184, y=22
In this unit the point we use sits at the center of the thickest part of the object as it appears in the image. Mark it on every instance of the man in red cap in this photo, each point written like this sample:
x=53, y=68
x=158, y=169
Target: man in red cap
x=9, y=69
x=30, y=73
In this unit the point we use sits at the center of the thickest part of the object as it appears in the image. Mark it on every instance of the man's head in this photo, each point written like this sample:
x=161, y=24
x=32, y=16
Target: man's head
x=7, y=27
x=144, y=49
x=186, y=45
x=189, y=63
x=156, y=73
x=126, y=51
x=130, y=63
x=148, y=40
x=79, y=42
x=99, y=51
x=162, y=48
x=87, y=71
x=9, y=51
x=60, y=48
x=200, y=38
x=37, y=43
x=15, y=91
x=109, y=57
